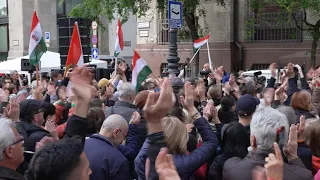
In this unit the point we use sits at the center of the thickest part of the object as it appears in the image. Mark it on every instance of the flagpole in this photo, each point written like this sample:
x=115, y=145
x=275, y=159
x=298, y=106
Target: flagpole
x=209, y=56
x=194, y=55
x=37, y=70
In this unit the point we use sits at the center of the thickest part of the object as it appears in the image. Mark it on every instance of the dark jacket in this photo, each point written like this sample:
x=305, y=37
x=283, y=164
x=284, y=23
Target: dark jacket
x=186, y=164
x=131, y=149
x=9, y=174
x=122, y=108
x=300, y=113
x=31, y=133
x=293, y=88
x=305, y=154
x=241, y=169
x=106, y=161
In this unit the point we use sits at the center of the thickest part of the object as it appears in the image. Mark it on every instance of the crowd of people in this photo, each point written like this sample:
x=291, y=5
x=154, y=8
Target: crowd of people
x=219, y=126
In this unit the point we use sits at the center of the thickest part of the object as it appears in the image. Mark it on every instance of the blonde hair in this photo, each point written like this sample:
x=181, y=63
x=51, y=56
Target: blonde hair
x=176, y=135
x=312, y=135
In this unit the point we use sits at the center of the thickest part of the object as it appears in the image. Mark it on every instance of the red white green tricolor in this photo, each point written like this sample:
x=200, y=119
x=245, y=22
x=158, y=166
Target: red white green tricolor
x=140, y=71
x=37, y=45
x=200, y=42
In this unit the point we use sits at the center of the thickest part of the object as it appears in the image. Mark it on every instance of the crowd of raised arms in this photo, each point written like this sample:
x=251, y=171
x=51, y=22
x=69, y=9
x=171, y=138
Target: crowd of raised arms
x=219, y=126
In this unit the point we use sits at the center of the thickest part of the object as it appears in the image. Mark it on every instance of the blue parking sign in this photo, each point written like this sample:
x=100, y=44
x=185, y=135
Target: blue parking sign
x=175, y=14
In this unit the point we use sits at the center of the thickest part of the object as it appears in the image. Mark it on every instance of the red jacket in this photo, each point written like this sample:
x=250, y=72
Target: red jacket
x=315, y=164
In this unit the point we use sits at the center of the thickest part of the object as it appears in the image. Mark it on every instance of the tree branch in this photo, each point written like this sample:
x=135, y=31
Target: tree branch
x=296, y=22
x=305, y=20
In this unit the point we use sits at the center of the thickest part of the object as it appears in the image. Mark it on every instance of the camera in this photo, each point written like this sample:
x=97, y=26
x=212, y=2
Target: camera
x=205, y=73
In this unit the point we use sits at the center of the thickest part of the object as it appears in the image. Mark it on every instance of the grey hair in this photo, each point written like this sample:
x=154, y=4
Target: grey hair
x=126, y=91
x=264, y=124
x=7, y=136
x=289, y=113
x=112, y=122
x=13, y=72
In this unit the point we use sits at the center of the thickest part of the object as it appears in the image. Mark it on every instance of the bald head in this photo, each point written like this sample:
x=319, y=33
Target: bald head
x=113, y=122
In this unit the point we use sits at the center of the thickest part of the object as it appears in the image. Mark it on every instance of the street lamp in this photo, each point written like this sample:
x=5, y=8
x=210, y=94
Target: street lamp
x=173, y=59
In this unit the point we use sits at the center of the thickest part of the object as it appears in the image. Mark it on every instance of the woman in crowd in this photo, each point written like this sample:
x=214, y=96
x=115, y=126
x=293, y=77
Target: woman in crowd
x=234, y=143
x=301, y=103
x=312, y=139
x=176, y=136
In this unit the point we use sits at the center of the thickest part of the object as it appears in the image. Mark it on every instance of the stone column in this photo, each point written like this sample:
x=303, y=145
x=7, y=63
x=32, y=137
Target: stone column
x=20, y=15
x=103, y=38
x=47, y=13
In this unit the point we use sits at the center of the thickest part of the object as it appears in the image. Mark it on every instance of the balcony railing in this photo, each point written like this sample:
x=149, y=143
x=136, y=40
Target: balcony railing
x=164, y=35
x=273, y=27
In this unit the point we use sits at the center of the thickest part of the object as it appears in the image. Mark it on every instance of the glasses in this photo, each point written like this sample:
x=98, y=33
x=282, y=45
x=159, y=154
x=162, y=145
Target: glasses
x=21, y=140
x=125, y=137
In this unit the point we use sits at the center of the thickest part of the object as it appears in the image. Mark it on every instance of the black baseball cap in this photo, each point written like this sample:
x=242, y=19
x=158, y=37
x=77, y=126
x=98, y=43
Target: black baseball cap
x=247, y=104
x=30, y=107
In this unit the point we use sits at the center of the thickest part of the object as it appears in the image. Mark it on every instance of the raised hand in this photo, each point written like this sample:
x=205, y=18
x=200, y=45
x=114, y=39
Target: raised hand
x=51, y=127
x=268, y=96
x=155, y=110
x=301, y=126
x=273, y=68
x=274, y=164
x=13, y=110
x=81, y=78
x=187, y=100
x=165, y=166
x=290, y=149
x=135, y=118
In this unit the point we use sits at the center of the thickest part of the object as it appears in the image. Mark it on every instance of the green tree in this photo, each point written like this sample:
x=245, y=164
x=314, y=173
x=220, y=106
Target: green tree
x=309, y=8
x=94, y=9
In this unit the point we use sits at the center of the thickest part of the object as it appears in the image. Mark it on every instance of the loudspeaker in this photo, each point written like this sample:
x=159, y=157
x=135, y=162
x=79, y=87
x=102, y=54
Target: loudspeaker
x=26, y=65
x=65, y=26
x=103, y=73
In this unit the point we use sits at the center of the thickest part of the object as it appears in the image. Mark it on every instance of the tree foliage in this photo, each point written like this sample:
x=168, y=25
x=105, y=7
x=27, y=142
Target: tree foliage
x=308, y=8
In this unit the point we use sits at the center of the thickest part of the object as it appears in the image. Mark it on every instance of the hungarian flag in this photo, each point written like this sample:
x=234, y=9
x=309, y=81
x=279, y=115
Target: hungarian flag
x=37, y=45
x=75, y=55
x=140, y=71
x=119, y=40
x=200, y=42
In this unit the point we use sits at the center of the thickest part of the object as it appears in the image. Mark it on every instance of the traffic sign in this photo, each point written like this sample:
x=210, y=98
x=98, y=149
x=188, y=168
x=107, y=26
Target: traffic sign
x=47, y=37
x=94, y=40
x=94, y=53
x=175, y=14
x=94, y=25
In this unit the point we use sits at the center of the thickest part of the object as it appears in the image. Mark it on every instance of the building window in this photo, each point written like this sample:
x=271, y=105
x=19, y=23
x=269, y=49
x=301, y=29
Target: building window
x=273, y=27
x=4, y=43
x=3, y=8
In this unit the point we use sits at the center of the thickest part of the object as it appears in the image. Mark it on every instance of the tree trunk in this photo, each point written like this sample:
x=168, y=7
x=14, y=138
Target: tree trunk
x=316, y=38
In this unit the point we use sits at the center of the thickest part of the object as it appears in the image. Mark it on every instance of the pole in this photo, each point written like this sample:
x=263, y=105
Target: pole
x=173, y=59
x=194, y=55
x=37, y=70
x=209, y=56
x=37, y=74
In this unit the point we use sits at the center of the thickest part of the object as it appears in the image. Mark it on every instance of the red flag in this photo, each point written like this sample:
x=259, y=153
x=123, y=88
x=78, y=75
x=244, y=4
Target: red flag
x=75, y=55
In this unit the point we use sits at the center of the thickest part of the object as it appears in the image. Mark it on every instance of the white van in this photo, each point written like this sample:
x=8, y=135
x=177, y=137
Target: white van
x=265, y=73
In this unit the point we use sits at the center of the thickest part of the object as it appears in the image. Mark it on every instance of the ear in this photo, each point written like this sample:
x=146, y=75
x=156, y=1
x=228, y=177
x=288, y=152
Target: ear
x=115, y=133
x=253, y=142
x=8, y=152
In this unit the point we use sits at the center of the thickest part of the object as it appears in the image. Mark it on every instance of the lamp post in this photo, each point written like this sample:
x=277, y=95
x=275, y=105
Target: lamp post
x=173, y=59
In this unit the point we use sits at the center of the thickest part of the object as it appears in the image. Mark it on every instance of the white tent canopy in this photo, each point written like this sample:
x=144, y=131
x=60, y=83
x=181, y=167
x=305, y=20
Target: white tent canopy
x=49, y=60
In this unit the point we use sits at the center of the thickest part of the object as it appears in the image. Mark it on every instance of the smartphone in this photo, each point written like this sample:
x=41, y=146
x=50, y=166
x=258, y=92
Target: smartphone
x=280, y=139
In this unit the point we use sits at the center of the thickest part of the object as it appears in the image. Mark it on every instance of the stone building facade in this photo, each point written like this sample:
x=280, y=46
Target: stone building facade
x=231, y=43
